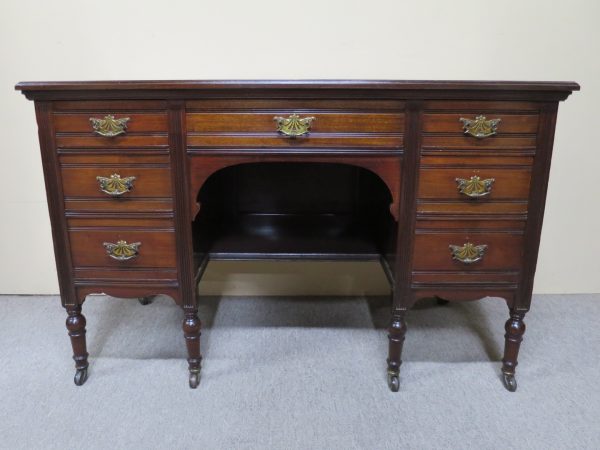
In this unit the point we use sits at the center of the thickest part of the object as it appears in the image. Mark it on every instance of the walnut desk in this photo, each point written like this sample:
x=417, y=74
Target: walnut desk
x=443, y=182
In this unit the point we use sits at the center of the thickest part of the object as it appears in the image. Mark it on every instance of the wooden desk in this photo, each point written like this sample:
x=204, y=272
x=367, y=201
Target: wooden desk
x=443, y=182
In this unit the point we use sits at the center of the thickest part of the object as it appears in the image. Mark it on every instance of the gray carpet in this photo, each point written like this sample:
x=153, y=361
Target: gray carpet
x=299, y=373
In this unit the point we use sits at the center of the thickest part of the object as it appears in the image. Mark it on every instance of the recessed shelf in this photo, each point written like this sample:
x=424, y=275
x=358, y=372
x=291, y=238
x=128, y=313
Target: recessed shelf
x=291, y=237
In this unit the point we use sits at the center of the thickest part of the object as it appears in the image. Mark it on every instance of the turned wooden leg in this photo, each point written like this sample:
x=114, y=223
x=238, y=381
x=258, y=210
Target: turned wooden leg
x=515, y=328
x=191, y=331
x=76, y=328
x=396, y=333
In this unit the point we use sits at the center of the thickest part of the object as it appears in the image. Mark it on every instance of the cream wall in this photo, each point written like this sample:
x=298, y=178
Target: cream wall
x=175, y=39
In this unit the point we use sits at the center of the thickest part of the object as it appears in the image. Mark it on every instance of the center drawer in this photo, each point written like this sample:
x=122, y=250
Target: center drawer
x=295, y=124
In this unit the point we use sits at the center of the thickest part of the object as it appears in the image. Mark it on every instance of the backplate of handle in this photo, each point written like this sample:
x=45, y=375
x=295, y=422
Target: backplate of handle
x=480, y=127
x=468, y=253
x=293, y=125
x=475, y=187
x=115, y=185
x=109, y=126
x=121, y=250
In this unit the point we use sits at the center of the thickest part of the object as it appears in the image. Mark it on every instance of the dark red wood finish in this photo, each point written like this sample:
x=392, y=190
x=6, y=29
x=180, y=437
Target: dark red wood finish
x=375, y=178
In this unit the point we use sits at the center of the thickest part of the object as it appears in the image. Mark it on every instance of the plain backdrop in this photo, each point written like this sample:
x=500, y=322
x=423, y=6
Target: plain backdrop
x=274, y=39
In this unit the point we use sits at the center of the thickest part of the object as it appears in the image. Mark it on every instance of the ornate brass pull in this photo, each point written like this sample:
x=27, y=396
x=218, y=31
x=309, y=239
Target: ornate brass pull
x=293, y=125
x=122, y=251
x=115, y=185
x=109, y=126
x=475, y=187
x=480, y=127
x=468, y=253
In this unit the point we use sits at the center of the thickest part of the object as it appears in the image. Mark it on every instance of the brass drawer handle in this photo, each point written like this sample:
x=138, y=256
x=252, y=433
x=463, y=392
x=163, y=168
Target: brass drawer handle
x=293, y=126
x=122, y=251
x=115, y=185
x=468, y=253
x=480, y=127
x=475, y=187
x=109, y=126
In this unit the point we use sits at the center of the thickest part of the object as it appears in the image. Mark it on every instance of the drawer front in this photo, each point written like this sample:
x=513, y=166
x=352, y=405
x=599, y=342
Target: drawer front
x=155, y=261
x=110, y=124
x=471, y=185
x=116, y=182
x=457, y=125
x=135, y=123
x=467, y=251
x=295, y=124
x=122, y=248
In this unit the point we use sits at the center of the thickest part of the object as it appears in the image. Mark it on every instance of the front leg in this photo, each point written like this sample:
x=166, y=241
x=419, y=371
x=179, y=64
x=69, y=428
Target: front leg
x=515, y=328
x=191, y=331
x=76, y=328
x=397, y=331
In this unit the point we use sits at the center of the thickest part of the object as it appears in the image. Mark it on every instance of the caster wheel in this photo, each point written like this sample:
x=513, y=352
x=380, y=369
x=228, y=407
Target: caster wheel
x=194, y=380
x=510, y=382
x=80, y=376
x=146, y=300
x=393, y=382
x=442, y=302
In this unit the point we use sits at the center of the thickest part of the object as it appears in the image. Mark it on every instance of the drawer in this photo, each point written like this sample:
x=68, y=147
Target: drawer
x=467, y=123
x=472, y=251
x=459, y=125
x=318, y=124
x=110, y=124
x=129, y=183
x=123, y=270
x=135, y=123
x=474, y=184
x=122, y=248
x=116, y=182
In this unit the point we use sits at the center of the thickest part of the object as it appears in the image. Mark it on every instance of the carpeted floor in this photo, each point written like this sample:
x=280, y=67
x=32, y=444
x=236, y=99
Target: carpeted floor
x=299, y=373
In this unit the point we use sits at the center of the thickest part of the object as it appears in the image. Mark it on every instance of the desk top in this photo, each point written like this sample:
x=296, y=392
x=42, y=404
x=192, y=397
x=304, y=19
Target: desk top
x=27, y=86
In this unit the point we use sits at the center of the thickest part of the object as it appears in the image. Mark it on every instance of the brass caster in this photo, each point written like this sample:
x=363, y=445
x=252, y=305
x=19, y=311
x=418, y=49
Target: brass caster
x=393, y=381
x=510, y=382
x=81, y=376
x=146, y=300
x=194, y=379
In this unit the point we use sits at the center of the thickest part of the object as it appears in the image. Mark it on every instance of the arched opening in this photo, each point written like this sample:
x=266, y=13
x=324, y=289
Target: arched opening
x=294, y=210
